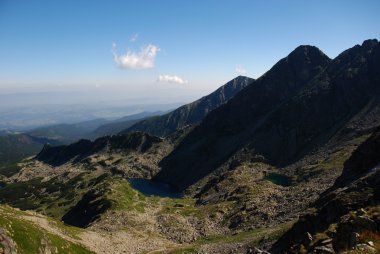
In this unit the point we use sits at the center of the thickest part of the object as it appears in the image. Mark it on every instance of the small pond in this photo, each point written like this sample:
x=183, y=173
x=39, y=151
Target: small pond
x=153, y=188
x=278, y=179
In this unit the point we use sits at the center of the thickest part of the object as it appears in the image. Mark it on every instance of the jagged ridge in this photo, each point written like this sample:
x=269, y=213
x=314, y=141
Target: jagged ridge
x=191, y=113
x=57, y=155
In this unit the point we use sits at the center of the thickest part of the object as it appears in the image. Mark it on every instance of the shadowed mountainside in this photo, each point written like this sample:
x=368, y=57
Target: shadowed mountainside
x=297, y=106
x=191, y=113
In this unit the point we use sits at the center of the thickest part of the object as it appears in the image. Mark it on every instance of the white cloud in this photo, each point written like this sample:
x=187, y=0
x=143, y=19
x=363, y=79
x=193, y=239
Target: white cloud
x=144, y=59
x=240, y=70
x=134, y=37
x=171, y=79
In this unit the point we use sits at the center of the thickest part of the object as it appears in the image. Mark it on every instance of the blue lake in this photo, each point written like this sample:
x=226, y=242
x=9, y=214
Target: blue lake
x=153, y=188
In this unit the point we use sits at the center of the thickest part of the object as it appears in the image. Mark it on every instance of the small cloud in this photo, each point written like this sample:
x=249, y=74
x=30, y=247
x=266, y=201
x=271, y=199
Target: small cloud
x=144, y=59
x=240, y=70
x=134, y=37
x=171, y=79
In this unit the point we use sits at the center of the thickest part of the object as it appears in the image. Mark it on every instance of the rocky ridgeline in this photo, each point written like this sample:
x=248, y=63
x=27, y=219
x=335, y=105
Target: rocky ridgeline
x=58, y=155
x=192, y=113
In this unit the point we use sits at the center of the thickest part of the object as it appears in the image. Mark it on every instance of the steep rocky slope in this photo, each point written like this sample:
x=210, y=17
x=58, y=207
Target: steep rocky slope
x=347, y=216
x=304, y=102
x=190, y=113
x=366, y=157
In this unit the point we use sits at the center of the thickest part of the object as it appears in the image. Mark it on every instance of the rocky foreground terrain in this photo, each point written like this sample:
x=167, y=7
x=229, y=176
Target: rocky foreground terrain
x=289, y=164
x=347, y=216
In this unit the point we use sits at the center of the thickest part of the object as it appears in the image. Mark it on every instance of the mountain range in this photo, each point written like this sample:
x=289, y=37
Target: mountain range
x=287, y=163
x=302, y=103
x=68, y=133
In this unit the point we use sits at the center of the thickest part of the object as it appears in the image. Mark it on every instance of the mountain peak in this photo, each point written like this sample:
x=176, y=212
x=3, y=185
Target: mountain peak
x=241, y=77
x=370, y=43
x=303, y=63
x=306, y=48
x=308, y=52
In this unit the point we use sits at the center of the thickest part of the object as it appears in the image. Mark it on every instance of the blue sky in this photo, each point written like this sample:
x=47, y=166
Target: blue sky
x=189, y=46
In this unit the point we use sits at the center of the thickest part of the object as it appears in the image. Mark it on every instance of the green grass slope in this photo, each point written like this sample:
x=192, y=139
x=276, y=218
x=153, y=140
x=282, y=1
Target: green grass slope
x=19, y=234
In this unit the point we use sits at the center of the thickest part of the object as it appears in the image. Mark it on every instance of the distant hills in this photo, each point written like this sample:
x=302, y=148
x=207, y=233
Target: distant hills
x=191, y=113
x=68, y=133
x=14, y=147
x=116, y=126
